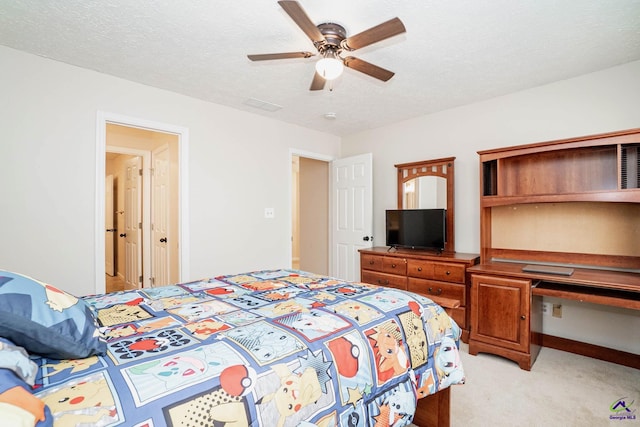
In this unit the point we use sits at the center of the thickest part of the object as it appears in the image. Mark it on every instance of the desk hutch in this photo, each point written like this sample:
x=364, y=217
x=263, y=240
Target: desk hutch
x=573, y=204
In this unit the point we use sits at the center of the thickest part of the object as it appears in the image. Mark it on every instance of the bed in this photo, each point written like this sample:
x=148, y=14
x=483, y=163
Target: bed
x=267, y=348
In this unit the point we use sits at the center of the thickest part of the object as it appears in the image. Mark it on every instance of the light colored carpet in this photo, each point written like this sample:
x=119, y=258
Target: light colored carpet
x=562, y=389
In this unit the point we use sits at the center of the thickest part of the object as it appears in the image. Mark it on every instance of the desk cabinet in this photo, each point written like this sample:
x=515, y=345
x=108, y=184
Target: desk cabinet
x=441, y=277
x=502, y=319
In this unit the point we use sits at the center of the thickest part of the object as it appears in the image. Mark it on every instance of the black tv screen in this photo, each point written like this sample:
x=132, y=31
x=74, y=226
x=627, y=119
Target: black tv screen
x=416, y=228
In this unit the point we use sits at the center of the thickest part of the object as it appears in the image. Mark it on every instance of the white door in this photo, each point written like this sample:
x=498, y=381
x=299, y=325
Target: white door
x=133, y=222
x=109, y=234
x=352, y=218
x=160, y=217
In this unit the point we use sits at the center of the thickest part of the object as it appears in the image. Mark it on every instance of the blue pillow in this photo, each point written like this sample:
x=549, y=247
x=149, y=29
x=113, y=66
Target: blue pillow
x=47, y=321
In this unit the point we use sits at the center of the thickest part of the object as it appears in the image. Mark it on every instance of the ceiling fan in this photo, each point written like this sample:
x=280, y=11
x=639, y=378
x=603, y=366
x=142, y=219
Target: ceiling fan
x=331, y=41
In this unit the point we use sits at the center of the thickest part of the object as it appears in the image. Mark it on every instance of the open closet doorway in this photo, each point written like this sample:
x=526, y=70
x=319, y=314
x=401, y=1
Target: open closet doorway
x=310, y=214
x=141, y=172
x=145, y=208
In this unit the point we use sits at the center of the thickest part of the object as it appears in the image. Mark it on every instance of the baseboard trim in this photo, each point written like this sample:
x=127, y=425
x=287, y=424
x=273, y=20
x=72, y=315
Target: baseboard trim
x=590, y=350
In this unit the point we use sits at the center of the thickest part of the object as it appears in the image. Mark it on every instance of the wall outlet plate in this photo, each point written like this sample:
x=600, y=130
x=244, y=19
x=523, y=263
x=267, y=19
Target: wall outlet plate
x=269, y=213
x=557, y=310
x=547, y=308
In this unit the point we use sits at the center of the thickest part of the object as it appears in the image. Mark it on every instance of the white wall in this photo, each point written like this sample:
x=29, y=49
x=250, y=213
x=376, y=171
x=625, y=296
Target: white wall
x=599, y=102
x=239, y=163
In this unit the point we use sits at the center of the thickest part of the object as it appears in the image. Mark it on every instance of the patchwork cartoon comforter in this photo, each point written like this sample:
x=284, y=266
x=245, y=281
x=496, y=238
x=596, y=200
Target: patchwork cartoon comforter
x=267, y=348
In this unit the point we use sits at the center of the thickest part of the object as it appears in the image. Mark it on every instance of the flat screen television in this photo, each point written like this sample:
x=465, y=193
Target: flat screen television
x=416, y=228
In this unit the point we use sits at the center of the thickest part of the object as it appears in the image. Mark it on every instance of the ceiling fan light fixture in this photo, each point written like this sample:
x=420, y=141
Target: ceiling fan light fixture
x=330, y=66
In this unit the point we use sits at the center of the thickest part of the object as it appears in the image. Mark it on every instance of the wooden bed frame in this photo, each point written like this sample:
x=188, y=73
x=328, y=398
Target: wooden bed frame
x=433, y=410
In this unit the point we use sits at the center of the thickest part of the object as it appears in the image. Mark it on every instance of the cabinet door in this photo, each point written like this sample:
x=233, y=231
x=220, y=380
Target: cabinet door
x=500, y=311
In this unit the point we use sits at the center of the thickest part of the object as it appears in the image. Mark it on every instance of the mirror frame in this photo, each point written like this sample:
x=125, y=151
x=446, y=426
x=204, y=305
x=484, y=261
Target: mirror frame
x=438, y=167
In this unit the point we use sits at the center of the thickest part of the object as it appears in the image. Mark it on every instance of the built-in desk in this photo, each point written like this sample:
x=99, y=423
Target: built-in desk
x=569, y=202
x=505, y=308
x=617, y=288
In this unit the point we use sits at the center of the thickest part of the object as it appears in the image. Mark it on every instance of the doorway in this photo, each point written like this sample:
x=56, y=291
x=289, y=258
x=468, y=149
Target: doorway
x=310, y=214
x=121, y=140
x=145, y=206
x=331, y=213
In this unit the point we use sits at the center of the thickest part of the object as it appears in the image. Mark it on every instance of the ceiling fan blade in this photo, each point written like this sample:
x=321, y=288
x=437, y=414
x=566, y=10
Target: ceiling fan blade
x=318, y=82
x=368, y=68
x=375, y=34
x=286, y=55
x=299, y=16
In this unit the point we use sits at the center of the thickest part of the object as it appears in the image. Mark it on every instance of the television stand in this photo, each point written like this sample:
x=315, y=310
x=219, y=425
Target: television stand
x=440, y=276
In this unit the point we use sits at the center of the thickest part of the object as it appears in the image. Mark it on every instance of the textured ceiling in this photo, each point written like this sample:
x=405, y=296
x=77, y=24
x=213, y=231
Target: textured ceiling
x=453, y=53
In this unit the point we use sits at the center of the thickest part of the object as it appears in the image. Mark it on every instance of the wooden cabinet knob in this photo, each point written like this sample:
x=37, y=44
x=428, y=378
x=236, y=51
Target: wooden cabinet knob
x=371, y=262
x=448, y=272
x=523, y=317
x=419, y=268
x=393, y=266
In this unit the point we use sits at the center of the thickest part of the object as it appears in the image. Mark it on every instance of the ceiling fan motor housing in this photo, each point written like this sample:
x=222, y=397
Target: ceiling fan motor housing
x=333, y=34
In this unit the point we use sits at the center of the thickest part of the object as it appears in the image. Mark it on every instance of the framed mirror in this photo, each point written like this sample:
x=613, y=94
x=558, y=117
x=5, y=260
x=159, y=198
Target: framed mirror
x=429, y=184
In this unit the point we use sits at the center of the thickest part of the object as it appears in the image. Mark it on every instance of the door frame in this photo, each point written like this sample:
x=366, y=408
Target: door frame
x=102, y=119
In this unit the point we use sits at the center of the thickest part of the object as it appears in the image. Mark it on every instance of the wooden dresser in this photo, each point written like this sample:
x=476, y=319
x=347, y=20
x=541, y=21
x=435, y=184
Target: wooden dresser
x=441, y=277
x=571, y=204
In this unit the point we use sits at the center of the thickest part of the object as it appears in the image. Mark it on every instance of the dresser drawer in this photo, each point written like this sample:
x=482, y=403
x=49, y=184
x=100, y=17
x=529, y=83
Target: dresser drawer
x=371, y=262
x=439, y=289
x=382, y=279
x=420, y=268
x=459, y=315
x=394, y=265
x=445, y=271
x=449, y=272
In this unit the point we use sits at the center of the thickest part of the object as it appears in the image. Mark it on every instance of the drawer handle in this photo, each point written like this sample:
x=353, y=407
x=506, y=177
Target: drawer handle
x=419, y=268
x=393, y=266
x=448, y=272
x=435, y=293
x=383, y=282
x=371, y=262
